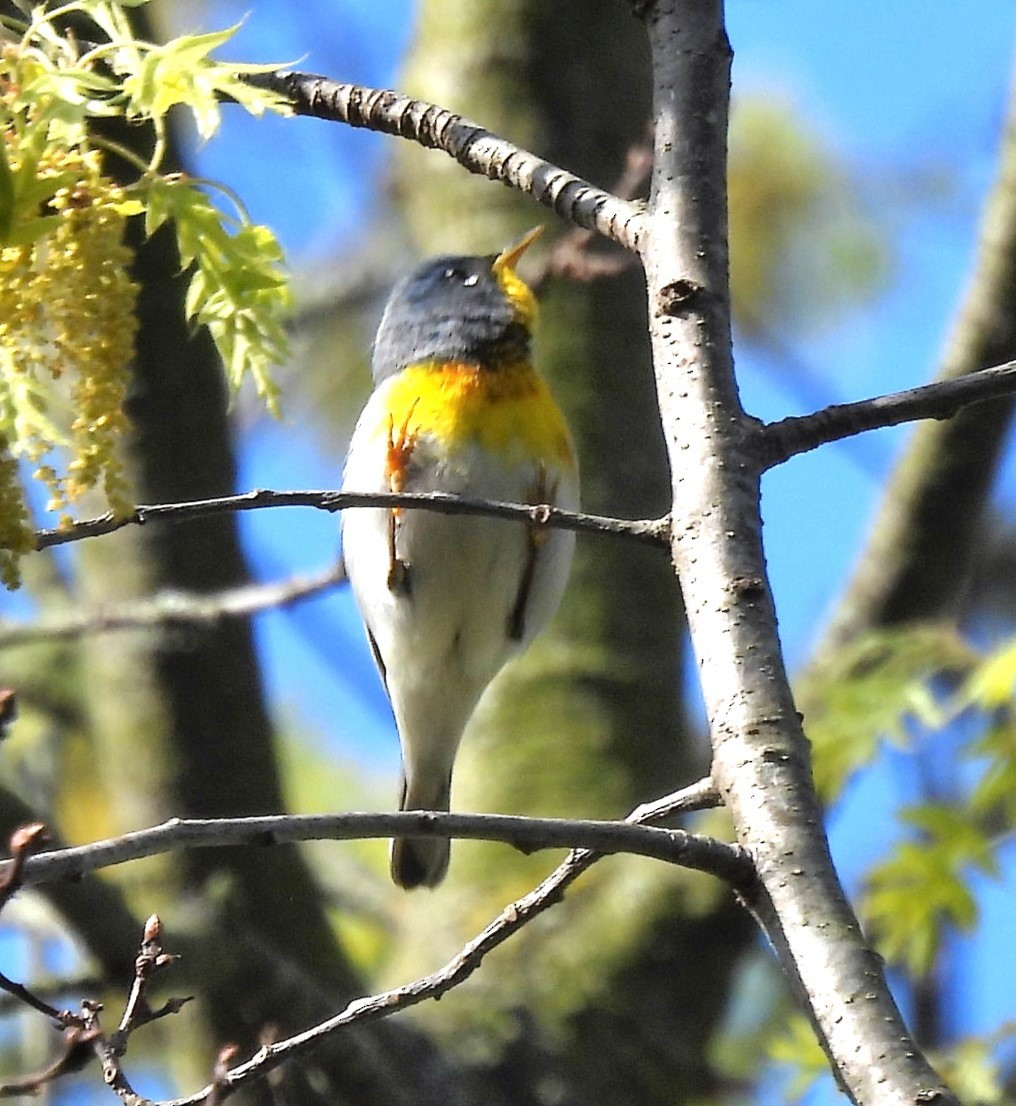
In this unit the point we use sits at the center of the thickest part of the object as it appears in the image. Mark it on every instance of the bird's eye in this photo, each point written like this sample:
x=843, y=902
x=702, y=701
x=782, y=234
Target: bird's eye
x=467, y=280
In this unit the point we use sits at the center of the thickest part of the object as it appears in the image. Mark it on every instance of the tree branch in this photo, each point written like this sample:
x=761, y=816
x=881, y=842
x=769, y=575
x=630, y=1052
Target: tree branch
x=172, y=608
x=928, y=529
x=674, y=846
x=473, y=147
x=781, y=440
x=698, y=796
x=649, y=531
x=514, y=916
x=760, y=755
x=788, y=437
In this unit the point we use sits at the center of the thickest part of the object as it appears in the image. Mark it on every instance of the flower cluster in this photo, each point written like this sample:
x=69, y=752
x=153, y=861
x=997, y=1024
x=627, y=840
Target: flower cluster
x=67, y=329
x=67, y=300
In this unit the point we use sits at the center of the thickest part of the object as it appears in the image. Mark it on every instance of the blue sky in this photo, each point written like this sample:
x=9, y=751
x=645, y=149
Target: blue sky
x=897, y=90
x=892, y=86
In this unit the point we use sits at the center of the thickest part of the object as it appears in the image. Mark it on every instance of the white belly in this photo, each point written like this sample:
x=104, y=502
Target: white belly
x=445, y=636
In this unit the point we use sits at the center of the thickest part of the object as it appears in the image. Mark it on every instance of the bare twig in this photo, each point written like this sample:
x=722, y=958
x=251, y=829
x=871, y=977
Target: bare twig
x=83, y=1034
x=650, y=531
x=8, y=709
x=779, y=441
x=151, y=958
x=529, y=834
x=50, y=989
x=109, y=1058
x=220, y=1088
x=78, y=1049
x=929, y=527
x=22, y=994
x=172, y=608
x=788, y=437
x=21, y=843
x=473, y=147
x=514, y=916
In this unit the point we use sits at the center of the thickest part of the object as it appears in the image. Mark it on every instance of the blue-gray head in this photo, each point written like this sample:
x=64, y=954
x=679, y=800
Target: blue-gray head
x=473, y=310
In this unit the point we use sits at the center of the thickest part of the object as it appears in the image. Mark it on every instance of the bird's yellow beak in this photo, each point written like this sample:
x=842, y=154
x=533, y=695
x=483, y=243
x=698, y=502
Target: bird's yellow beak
x=508, y=258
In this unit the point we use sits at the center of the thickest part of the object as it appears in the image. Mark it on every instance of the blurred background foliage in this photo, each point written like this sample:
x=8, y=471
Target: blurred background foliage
x=644, y=985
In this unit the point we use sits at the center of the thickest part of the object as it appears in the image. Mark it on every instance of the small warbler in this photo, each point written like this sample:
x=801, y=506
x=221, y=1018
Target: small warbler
x=457, y=407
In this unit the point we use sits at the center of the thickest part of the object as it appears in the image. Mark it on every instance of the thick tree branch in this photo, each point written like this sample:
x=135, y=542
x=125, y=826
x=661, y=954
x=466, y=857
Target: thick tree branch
x=651, y=531
x=941, y=400
x=760, y=762
x=473, y=147
x=674, y=846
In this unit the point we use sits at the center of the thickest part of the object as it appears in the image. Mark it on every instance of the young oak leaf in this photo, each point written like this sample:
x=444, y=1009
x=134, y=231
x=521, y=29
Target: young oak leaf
x=181, y=72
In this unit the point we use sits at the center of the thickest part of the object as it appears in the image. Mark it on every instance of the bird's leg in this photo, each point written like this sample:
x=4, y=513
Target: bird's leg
x=536, y=535
x=400, y=450
x=542, y=491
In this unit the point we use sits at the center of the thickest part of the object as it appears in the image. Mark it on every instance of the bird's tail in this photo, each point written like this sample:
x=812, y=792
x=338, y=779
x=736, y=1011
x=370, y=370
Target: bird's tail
x=422, y=861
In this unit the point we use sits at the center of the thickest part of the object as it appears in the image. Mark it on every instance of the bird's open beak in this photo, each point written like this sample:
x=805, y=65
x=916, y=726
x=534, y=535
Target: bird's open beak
x=508, y=258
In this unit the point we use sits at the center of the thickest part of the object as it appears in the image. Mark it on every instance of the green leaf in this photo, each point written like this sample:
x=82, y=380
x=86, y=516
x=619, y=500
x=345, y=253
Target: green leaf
x=994, y=795
x=971, y=1071
x=923, y=887
x=873, y=691
x=797, y=1046
x=28, y=231
x=181, y=72
x=991, y=684
x=238, y=289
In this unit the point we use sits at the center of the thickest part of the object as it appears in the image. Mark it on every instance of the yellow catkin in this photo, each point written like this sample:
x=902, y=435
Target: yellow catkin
x=67, y=328
x=93, y=333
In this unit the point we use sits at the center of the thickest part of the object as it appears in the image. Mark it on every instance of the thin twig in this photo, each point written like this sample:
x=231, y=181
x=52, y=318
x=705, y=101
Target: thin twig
x=138, y=1011
x=573, y=256
x=22, y=841
x=779, y=442
x=56, y=988
x=650, y=531
x=78, y=1048
x=172, y=608
x=790, y=436
x=528, y=834
x=471, y=145
x=220, y=1089
x=109, y=1058
x=23, y=995
x=83, y=1035
x=698, y=796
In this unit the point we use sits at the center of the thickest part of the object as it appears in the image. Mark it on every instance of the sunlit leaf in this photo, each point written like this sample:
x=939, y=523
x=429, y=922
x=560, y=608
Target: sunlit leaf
x=923, y=887
x=991, y=683
x=797, y=1047
x=874, y=691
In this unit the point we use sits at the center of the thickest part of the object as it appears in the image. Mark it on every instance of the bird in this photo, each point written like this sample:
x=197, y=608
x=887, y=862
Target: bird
x=457, y=407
